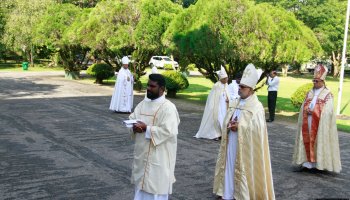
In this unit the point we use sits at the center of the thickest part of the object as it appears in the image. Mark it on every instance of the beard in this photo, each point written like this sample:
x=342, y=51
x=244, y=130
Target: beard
x=152, y=96
x=240, y=93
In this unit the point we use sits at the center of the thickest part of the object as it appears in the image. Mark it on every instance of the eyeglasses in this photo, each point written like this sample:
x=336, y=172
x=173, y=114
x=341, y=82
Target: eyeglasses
x=316, y=81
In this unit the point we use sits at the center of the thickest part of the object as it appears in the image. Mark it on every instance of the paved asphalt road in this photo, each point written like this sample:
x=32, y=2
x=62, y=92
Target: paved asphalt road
x=59, y=141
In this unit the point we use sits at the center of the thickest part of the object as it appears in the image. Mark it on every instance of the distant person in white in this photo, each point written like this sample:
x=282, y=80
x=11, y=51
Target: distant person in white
x=122, y=99
x=215, y=109
x=273, y=83
x=154, y=70
x=234, y=86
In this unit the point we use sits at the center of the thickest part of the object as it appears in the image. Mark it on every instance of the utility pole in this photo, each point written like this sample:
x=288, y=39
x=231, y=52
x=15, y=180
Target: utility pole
x=340, y=89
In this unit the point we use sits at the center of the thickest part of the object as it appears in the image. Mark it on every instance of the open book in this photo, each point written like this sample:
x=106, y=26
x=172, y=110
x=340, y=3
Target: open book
x=130, y=122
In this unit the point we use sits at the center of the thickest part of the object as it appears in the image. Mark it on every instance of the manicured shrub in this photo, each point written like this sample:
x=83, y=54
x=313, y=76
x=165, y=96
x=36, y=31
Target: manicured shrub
x=175, y=81
x=168, y=67
x=100, y=71
x=186, y=71
x=191, y=67
x=299, y=95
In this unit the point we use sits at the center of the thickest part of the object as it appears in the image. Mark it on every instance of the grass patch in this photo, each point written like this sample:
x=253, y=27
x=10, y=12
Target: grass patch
x=197, y=91
x=343, y=125
x=17, y=67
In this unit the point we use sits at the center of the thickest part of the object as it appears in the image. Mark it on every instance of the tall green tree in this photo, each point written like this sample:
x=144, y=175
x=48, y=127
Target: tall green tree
x=326, y=18
x=6, y=7
x=2, y=29
x=235, y=33
x=81, y=3
x=201, y=35
x=52, y=30
x=185, y=3
x=108, y=30
x=271, y=37
x=19, y=26
x=155, y=17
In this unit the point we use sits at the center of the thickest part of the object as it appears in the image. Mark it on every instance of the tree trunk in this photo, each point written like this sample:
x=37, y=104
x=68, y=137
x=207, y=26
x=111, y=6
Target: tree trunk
x=31, y=58
x=298, y=68
x=138, y=85
x=171, y=93
x=284, y=70
x=99, y=81
x=72, y=75
x=336, y=64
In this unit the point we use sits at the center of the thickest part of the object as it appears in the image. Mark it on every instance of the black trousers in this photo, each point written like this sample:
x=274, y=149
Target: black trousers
x=271, y=103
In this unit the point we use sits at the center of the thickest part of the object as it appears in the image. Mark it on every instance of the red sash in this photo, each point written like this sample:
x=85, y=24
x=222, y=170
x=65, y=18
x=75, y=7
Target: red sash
x=309, y=139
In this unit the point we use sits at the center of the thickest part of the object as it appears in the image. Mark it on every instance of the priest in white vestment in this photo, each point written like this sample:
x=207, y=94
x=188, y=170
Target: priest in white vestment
x=243, y=168
x=215, y=109
x=155, y=70
x=234, y=86
x=317, y=144
x=123, y=96
x=155, y=137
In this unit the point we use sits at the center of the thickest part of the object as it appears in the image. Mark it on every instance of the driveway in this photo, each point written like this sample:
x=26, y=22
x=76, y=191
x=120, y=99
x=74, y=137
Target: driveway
x=58, y=140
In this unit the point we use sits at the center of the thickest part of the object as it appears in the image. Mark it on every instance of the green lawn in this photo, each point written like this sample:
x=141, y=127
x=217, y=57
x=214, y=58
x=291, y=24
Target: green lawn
x=17, y=67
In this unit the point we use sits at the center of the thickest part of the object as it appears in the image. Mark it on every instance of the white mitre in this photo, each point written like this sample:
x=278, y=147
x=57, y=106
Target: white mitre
x=320, y=72
x=125, y=60
x=250, y=76
x=222, y=73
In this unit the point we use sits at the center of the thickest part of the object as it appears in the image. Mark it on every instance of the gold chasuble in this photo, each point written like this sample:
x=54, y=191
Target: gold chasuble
x=154, y=159
x=252, y=175
x=318, y=142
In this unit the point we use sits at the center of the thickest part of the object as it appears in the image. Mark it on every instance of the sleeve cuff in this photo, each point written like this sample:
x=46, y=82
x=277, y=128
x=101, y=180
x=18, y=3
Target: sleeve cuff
x=148, y=132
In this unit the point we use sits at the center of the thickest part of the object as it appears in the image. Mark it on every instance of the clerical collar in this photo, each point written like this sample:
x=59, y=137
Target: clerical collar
x=318, y=91
x=159, y=99
x=246, y=99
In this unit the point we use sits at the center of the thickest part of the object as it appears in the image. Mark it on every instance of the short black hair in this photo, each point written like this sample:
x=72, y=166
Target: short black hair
x=238, y=75
x=157, y=78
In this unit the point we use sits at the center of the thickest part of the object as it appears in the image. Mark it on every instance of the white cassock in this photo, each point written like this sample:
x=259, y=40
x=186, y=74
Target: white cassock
x=123, y=97
x=231, y=158
x=155, y=149
x=214, y=112
x=155, y=70
x=233, y=90
x=243, y=168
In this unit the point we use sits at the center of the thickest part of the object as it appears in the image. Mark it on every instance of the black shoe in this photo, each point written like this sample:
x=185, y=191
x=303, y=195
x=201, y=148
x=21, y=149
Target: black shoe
x=314, y=170
x=300, y=169
x=119, y=112
x=269, y=120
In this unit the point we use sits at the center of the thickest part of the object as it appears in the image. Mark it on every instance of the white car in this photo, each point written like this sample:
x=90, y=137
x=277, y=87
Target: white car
x=310, y=66
x=160, y=61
